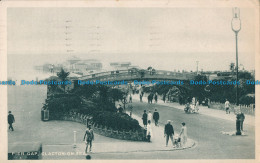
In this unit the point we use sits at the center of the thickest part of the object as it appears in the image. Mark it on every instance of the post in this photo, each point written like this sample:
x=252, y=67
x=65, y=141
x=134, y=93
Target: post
x=237, y=100
x=238, y=130
x=75, y=138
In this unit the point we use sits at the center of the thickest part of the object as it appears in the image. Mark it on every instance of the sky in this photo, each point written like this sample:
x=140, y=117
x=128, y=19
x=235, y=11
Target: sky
x=164, y=38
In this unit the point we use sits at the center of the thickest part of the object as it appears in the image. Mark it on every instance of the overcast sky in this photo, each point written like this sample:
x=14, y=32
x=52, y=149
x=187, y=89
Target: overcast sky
x=164, y=38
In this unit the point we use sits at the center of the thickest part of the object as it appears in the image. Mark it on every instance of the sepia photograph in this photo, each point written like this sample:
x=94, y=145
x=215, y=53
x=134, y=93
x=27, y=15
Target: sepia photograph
x=131, y=83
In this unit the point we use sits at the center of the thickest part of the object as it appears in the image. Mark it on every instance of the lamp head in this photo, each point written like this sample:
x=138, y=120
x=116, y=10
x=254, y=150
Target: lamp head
x=236, y=22
x=236, y=12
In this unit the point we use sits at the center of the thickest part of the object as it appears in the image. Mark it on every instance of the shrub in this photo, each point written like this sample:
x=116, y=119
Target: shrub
x=247, y=100
x=60, y=105
x=116, y=121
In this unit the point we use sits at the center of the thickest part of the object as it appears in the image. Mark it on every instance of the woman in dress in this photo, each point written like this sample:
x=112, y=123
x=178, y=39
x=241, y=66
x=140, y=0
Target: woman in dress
x=183, y=135
x=150, y=116
x=197, y=106
x=149, y=131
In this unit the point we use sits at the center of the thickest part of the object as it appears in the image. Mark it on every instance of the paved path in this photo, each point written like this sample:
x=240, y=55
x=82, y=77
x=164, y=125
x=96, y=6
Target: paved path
x=206, y=130
x=249, y=120
x=57, y=137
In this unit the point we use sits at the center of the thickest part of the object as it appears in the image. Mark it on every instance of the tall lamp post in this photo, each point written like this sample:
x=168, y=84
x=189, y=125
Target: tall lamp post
x=236, y=27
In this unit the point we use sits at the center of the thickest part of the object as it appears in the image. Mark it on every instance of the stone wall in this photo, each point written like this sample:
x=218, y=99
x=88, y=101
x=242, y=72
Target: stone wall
x=102, y=130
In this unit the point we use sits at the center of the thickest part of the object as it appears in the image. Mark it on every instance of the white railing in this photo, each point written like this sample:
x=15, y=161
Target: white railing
x=162, y=74
x=247, y=109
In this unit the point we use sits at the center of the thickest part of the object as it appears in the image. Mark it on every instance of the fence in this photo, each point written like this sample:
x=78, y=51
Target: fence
x=246, y=109
x=103, y=130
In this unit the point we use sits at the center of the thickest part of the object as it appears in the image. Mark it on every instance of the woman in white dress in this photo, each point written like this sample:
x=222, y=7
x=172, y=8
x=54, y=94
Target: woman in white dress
x=197, y=106
x=183, y=135
x=149, y=131
x=149, y=116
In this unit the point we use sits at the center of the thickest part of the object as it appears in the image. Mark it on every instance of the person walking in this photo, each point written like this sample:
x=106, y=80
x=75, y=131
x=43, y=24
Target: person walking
x=144, y=118
x=150, y=116
x=197, y=106
x=241, y=119
x=149, y=131
x=164, y=98
x=141, y=98
x=227, y=107
x=88, y=138
x=130, y=99
x=169, y=132
x=155, y=97
x=131, y=110
x=11, y=120
x=156, y=117
x=149, y=98
x=183, y=135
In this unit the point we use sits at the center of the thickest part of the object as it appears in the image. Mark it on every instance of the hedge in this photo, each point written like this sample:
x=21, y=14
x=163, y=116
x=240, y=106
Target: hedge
x=116, y=121
x=62, y=104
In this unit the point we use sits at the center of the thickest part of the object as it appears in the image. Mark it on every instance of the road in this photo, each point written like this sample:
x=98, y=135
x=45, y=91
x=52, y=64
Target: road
x=206, y=130
x=25, y=103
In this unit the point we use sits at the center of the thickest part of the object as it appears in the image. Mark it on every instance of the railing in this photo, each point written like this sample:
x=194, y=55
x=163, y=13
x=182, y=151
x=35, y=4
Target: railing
x=131, y=74
x=247, y=109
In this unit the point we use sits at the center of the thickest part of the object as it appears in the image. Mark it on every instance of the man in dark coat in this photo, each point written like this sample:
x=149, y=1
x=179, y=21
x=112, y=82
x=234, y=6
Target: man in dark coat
x=144, y=118
x=156, y=117
x=168, y=132
x=241, y=119
x=164, y=98
x=155, y=97
x=10, y=120
x=141, y=98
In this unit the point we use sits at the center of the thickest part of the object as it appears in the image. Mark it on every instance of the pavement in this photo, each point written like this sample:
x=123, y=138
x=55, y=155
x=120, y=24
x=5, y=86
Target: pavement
x=206, y=130
x=110, y=145
x=204, y=110
x=57, y=137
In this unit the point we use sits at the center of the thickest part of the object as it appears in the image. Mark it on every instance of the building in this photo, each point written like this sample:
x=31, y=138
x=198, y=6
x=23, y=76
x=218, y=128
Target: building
x=122, y=66
x=82, y=67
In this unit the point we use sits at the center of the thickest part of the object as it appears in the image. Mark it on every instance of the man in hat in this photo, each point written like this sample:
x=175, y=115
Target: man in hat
x=156, y=117
x=10, y=120
x=144, y=118
x=168, y=132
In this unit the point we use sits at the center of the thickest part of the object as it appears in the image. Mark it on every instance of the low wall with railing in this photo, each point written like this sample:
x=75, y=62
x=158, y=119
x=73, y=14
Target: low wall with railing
x=128, y=75
x=103, y=130
x=246, y=109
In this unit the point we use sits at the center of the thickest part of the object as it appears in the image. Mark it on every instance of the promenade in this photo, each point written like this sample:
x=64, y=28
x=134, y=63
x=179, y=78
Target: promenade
x=203, y=110
x=57, y=137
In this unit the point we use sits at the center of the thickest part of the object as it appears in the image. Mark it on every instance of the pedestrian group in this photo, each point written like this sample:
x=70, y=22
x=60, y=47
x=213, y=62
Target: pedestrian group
x=178, y=140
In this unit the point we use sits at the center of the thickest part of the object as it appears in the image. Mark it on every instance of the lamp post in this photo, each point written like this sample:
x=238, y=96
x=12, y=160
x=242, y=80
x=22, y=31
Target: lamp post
x=236, y=27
